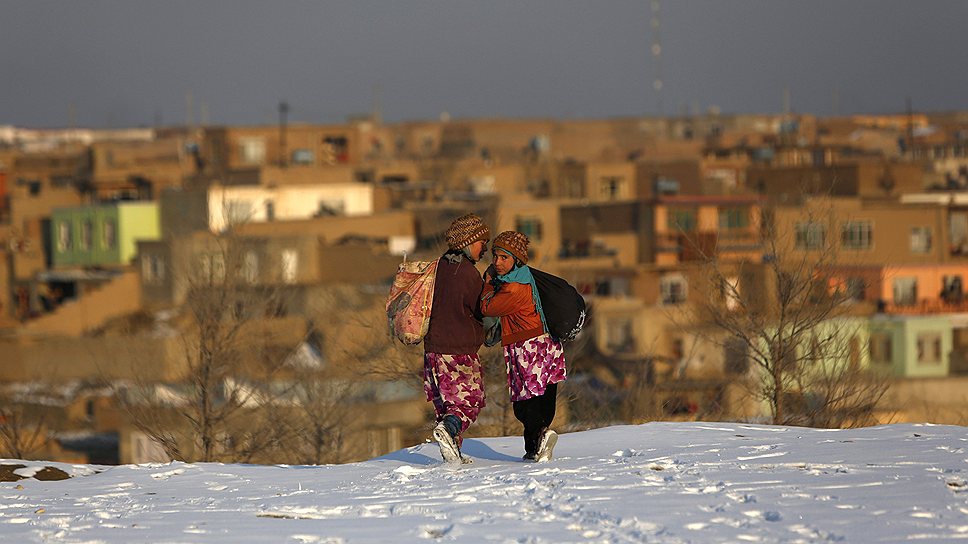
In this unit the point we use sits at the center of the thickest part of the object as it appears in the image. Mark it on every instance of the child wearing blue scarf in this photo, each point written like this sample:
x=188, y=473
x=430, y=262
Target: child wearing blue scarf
x=535, y=360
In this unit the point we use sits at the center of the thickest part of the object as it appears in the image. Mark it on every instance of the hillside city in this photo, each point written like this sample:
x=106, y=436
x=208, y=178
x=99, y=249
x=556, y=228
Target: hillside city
x=217, y=293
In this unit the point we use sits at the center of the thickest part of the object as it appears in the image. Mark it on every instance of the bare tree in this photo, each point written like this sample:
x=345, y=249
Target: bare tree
x=234, y=351
x=23, y=427
x=788, y=316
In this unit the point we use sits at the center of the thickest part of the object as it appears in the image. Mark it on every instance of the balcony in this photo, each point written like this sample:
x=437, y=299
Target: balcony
x=585, y=249
x=693, y=246
x=924, y=307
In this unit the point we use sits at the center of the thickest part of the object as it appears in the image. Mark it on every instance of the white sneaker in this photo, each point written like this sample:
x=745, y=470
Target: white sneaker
x=547, y=446
x=449, y=451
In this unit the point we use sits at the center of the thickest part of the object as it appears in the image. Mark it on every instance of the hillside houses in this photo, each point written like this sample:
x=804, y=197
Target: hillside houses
x=111, y=239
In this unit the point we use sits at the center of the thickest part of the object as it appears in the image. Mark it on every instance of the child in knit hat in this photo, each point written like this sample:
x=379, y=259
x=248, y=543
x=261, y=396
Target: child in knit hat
x=453, y=380
x=535, y=360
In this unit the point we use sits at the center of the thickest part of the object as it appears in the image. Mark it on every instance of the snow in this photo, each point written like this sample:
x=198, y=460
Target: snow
x=658, y=482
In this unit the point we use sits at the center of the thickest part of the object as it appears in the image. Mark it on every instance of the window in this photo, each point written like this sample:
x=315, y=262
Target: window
x=856, y=235
x=682, y=219
x=152, y=269
x=920, y=240
x=620, y=337
x=856, y=287
x=953, y=290
x=530, y=226
x=238, y=212
x=211, y=268
x=290, y=265
x=573, y=187
x=109, y=234
x=253, y=150
x=270, y=210
x=335, y=149
x=87, y=234
x=733, y=218
x=810, y=235
x=731, y=293
x=303, y=156
x=881, y=349
x=673, y=289
x=250, y=267
x=905, y=291
x=64, y=236
x=929, y=348
x=612, y=188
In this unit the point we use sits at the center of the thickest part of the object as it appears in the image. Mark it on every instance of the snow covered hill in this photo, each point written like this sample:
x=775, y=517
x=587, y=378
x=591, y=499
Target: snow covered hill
x=659, y=482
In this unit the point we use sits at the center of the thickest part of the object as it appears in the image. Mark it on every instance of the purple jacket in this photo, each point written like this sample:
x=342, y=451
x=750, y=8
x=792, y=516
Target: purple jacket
x=456, y=326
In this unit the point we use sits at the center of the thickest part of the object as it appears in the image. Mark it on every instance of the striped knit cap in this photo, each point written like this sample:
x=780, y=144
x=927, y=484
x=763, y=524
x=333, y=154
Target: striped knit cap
x=514, y=243
x=465, y=230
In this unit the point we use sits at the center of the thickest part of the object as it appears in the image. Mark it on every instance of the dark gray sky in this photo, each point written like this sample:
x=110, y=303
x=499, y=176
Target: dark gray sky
x=120, y=63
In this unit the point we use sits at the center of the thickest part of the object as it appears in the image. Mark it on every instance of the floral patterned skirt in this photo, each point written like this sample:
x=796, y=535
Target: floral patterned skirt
x=455, y=385
x=533, y=364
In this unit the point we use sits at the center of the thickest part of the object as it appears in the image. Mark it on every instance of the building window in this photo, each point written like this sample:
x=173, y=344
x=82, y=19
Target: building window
x=673, y=289
x=733, y=218
x=905, y=291
x=856, y=235
x=87, y=234
x=929, y=348
x=856, y=287
x=253, y=150
x=335, y=149
x=731, y=293
x=682, y=220
x=882, y=351
x=530, y=226
x=325, y=208
x=953, y=290
x=920, y=240
x=250, y=267
x=109, y=236
x=152, y=269
x=810, y=235
x=612, y=188
x=238, y=212
x=64, y=236
x=620, y=338
x=303, y=156
x=211, y=268
x=290, y=265
x=573, y=187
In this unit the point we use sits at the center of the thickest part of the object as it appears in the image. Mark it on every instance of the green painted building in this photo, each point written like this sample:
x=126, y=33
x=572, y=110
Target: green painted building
x=103, y=235
x=912, y=346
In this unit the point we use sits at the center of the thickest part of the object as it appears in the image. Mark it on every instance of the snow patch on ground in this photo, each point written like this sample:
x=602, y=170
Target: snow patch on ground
x=667, y=482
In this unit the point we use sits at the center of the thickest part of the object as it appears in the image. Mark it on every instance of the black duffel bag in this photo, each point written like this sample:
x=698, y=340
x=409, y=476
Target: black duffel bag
x=563, y=305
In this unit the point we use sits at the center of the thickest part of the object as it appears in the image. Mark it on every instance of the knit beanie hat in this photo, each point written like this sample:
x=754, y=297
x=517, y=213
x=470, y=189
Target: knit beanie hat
x=465, y=230
x=514, y=243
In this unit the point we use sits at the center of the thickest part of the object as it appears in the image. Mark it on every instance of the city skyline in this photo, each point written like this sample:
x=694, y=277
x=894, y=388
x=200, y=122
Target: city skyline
x=138, y=63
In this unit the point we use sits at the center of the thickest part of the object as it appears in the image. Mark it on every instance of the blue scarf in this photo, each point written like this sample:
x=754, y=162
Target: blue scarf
x=522, y=274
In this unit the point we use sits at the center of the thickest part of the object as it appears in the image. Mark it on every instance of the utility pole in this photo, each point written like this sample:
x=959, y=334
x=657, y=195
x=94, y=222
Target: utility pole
x=657, y=57
x=283, y=110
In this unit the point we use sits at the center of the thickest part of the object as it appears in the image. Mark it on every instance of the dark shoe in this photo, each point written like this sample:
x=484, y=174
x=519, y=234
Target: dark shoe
x=546, y=446
x=529, y=458
x=452, y=423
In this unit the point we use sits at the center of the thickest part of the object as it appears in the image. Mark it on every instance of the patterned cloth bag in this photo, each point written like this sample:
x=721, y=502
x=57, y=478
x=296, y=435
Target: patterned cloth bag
x=410, y=300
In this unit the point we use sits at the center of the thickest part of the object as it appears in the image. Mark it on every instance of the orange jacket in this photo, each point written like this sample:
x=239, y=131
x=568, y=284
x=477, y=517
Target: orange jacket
x=515, y=306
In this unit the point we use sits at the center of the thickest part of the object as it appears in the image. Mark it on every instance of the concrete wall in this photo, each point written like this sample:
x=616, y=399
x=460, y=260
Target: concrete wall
x=61, y=360
x=239, y=205
x=120, y=297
